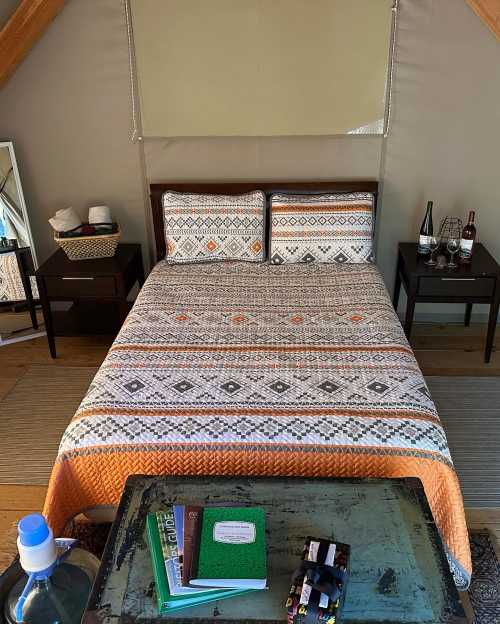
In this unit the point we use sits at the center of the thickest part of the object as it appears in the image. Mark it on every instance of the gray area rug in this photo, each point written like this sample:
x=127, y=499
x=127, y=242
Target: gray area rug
x=469, y=408
x=35, y=414
x=484, y=591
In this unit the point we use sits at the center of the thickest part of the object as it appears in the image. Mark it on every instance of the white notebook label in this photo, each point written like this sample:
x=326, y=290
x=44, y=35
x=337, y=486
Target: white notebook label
x=234, y=532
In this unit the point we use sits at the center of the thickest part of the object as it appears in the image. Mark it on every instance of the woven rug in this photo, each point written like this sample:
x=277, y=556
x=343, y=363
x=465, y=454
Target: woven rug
x=484, y=592
x=469, y=408
x=35, y=414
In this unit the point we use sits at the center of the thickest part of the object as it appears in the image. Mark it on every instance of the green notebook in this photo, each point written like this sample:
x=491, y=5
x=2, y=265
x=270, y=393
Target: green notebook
x=167, y=573
x=232, y=551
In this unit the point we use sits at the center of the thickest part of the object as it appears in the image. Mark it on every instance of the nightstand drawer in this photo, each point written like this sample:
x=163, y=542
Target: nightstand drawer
x=80, y=286
x=448, y=286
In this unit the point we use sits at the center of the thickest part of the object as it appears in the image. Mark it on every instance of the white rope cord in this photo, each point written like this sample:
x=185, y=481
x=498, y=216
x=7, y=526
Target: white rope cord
x=135, y=135
x=390, y=77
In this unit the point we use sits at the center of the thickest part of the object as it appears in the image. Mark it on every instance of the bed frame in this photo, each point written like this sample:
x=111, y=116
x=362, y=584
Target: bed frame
x=233, y=188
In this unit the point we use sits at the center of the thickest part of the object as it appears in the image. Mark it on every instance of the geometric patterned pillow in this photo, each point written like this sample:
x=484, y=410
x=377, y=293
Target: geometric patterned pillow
x=206, y=227
x=334, y=228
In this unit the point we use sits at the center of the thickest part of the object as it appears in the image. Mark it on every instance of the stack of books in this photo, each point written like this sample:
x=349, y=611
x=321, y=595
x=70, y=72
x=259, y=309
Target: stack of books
x=203, y=554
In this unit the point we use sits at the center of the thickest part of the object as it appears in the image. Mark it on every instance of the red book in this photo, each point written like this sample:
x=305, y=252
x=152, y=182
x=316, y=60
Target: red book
x=192, y=520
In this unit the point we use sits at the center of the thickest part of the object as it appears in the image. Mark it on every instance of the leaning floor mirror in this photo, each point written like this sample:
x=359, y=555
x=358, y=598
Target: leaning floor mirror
x=19, y=319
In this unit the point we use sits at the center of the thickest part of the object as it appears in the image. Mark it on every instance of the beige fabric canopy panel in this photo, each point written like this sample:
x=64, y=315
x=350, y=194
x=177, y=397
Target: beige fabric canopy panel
x=261, y=67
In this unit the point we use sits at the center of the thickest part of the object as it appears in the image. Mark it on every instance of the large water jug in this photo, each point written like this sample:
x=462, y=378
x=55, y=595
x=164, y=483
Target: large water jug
x=58, y=578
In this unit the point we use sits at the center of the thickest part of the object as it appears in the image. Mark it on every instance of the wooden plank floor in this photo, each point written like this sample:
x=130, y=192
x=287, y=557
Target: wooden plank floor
x=78, y=351
x=440, y=350
x=18, y=500
x=453, y=349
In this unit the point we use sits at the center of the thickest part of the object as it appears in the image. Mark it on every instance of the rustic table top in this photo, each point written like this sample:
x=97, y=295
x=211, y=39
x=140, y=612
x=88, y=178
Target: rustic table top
x=398, y=570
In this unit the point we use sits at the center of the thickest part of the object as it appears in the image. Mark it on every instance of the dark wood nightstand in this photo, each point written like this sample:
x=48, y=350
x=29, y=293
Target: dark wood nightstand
x=477, y=282
x=97, y=289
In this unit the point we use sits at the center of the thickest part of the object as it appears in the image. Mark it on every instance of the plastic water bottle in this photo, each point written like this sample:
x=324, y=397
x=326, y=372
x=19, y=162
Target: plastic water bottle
x=58, y=578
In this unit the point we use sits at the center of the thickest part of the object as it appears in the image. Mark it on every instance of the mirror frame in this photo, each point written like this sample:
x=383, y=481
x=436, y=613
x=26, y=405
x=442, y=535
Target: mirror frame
x=24, y=210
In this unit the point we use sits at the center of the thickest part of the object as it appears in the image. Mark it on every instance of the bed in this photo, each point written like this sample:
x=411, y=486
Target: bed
x=246, y=368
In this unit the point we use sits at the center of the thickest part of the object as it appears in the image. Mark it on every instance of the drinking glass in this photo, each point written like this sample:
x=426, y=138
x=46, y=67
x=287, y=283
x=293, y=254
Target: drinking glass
x=452, y=246
x=433, y=246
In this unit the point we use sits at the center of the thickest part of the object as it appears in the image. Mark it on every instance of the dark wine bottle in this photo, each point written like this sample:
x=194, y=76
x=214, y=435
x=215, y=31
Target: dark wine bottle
x=426, y=231
x=467, y=240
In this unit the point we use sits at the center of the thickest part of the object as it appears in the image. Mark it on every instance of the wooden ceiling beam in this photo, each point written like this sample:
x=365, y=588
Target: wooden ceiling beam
x=489, y=12
x=25, y=26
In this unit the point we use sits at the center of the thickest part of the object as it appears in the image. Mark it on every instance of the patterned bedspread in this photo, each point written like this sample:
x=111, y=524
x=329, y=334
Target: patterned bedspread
x=252, y=369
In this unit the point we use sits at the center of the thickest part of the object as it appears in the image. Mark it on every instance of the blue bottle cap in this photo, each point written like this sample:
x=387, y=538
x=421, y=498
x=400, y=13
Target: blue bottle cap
x=33, y=530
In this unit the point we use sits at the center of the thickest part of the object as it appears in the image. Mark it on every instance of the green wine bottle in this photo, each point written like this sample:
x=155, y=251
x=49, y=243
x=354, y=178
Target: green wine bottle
x=426, y=231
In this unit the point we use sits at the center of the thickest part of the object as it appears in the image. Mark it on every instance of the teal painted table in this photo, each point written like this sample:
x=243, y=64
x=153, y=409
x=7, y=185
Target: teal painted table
x=399, y=573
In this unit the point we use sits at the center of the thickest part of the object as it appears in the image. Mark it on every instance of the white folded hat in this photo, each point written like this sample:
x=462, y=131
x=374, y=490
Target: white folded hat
x=65, y=220
x=100, y=214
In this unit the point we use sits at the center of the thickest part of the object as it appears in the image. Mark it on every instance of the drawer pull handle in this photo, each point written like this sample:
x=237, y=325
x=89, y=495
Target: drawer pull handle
x=458, y=279
x=77, y=278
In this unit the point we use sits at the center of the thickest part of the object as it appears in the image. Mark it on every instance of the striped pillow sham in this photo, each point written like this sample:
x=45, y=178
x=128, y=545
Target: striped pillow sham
x=208, y=227
x=330, y=228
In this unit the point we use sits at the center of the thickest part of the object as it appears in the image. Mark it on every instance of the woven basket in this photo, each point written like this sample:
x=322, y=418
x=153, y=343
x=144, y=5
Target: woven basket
x=89, y=247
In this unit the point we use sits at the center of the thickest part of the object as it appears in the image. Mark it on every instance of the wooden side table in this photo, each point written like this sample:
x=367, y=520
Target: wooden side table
x=97, y=289
x=477, y=282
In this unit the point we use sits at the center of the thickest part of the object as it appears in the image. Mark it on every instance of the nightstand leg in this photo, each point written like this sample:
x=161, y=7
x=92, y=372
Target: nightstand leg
x=492, y=324
x=26, y=280
x=31, y=303
x=397, y=289
x=410, y=309
x=410, y=305
x=468, y=312
x=140, y=269
x=124, y=309
x=47, y=317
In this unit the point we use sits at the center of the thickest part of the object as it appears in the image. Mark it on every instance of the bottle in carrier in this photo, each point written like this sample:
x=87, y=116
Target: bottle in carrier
x=58, y=578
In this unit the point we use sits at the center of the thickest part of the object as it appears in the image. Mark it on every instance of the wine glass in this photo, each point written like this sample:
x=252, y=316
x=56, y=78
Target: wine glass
x=452, y=246
x=433, y=246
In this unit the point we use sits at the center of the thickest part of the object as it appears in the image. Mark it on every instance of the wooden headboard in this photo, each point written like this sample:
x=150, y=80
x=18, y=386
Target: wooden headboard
x=233, y=188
